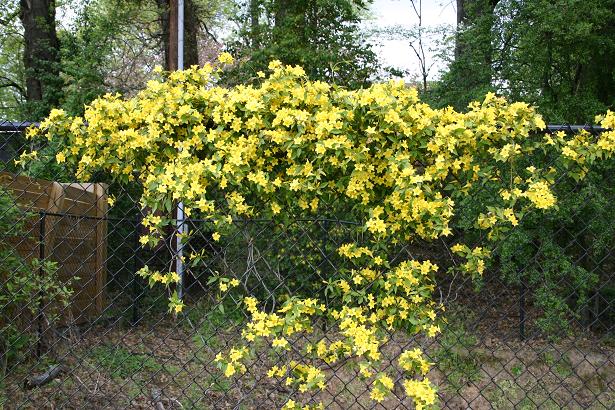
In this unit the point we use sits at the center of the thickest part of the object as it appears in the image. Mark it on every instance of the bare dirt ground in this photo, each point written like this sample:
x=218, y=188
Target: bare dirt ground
x=168, y=364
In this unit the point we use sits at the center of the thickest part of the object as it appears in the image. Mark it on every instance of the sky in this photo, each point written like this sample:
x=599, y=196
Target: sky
x=397, y=53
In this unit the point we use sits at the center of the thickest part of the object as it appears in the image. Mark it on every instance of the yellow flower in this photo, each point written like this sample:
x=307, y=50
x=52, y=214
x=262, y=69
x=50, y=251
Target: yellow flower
x=421, y=392
x=433, y=330
x=290, y=405
x=230, y=370
x=344, y=286
x=376, y=225
x=274, y=64
x=377, y=395
x=540, y=195
x=215, y=236
x=275, y=208
x=225, y=58
x=280, y=342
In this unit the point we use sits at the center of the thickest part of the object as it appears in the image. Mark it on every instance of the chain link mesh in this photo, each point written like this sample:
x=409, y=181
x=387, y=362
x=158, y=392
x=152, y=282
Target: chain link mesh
x=537, y=331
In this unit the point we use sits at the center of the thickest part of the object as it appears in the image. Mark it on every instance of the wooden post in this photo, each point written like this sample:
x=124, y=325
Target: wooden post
x=172, y=63
x=101, y=245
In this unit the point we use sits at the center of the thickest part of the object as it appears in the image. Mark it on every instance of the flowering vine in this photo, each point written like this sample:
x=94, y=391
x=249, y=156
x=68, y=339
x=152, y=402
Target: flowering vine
x=289, y=145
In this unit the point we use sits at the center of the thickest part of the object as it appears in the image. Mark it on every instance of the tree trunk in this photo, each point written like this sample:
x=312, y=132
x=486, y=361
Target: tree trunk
x=41, y=53
x=475, y=46
x=164, y=12
x=469, y=13
x=460, y=19
x=254, y=24
x=191, y=31
x=281, y=9
x=460, y=12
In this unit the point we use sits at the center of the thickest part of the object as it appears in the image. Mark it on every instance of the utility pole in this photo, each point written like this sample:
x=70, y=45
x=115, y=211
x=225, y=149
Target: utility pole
x=177, y=10
x=173, y=35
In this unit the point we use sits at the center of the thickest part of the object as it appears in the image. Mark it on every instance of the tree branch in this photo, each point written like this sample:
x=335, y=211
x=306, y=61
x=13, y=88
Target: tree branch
x=10, y=17
x=10, y=83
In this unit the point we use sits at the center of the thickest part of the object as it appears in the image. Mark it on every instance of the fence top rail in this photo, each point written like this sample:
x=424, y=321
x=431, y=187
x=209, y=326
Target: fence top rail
x=15, y=126
x=18, y=126
x=594, y=129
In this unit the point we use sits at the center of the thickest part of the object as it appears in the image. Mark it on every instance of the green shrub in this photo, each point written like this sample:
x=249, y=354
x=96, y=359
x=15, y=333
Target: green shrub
x=28, y=290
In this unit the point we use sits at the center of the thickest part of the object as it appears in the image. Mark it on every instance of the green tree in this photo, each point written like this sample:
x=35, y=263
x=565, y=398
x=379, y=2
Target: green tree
x=41, y=56
x=322, y=36
x=469, y=76
x=12, y=88
x=109, y=46
x=558, y=55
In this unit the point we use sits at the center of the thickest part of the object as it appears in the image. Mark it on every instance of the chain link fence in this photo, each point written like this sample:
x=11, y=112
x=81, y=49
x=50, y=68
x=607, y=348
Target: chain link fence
x=80, y=329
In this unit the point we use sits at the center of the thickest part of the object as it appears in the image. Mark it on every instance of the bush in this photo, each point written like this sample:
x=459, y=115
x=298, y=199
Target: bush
x=29, y=292
x=289, y=148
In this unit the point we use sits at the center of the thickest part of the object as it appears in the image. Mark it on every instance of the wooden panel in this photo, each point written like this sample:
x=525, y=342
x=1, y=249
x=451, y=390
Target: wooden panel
x=76, y=229
x=56, y=199
x=24, y=184
x=88, y=186
x=74, y=207
x=77, y=245
x=101, y=245
x=79, y=256
x=77, y=193
x=31, y=201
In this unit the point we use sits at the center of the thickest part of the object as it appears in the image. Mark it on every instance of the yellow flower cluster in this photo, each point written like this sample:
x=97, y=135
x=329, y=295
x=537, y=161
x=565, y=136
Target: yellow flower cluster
x=382, y=386
x=305, y=377
x=475, y=258
x=606, y=141
x=413, y=361
x=286, y=146
x=540, y=195
x=293, y=405
x=362, y=336
x=330, y=353
x=293, y=317
x=422, y=392
x=226, y=284
x=232, y=363
x=154, y=277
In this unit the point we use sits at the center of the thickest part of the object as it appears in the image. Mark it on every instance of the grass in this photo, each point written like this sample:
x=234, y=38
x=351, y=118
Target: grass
x=455, y=357
x=508, y=394
x=517, y=369
x=211, y=320
x=121, y=363
x=559, y=364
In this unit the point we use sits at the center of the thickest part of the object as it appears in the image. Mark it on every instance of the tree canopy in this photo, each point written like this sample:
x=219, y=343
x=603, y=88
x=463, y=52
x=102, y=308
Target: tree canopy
x=558, y=55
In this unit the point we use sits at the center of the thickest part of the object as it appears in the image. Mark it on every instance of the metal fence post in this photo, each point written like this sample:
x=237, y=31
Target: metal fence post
x=522, y=291
x=325, y=260
x=41, y=272
x=137, y=264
